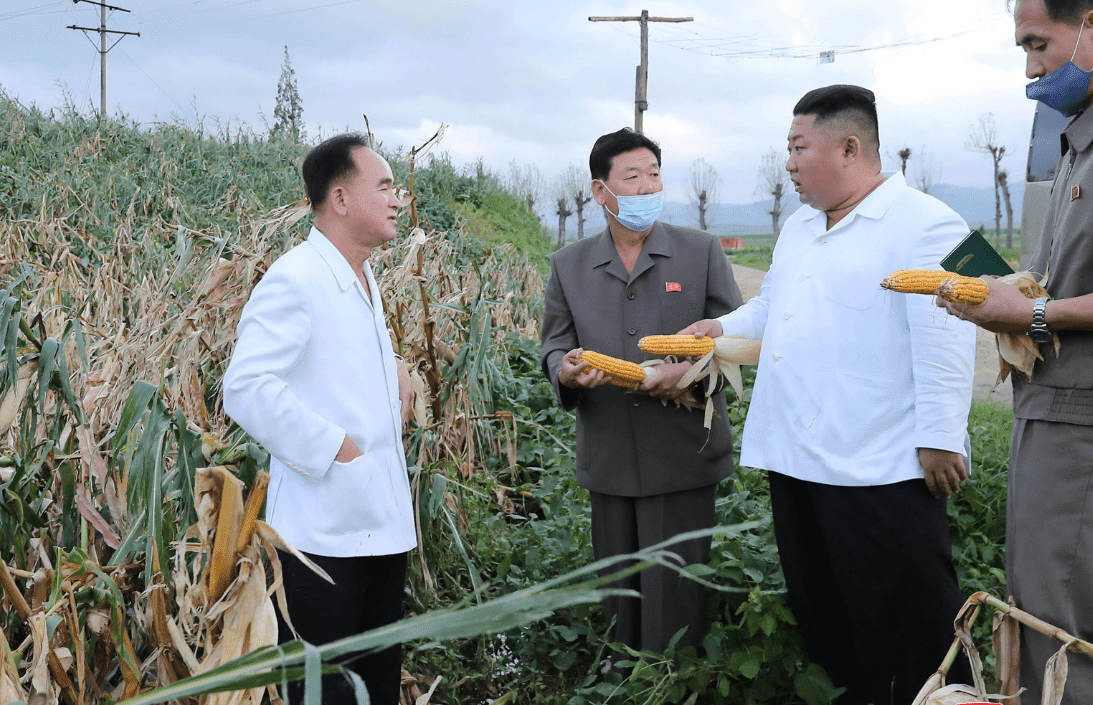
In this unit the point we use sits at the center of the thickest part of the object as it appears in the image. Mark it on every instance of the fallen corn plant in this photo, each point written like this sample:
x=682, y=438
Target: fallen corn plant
x=125, y=260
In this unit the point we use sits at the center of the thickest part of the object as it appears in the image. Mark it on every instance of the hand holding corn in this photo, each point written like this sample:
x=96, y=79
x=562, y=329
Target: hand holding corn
x=949, y=286
x=577, y=373
x=719, y=355
x=1007, y=313
x=665, y=383
x=1001, y=306
x=621, y=373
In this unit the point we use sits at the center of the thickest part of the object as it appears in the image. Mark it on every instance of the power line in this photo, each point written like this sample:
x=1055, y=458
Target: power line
x=752, y=47
x=798, y=53
x=87, y=85
x=253, y=18
x=153, y=81
x=39, y=10
x=641, y=88
x=103, y=50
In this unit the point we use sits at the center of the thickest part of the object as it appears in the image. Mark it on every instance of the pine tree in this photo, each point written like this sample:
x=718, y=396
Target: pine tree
x=289, y=112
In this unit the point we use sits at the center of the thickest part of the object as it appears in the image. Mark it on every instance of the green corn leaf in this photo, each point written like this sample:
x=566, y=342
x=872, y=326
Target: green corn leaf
x=131, y=413
x=47, y=367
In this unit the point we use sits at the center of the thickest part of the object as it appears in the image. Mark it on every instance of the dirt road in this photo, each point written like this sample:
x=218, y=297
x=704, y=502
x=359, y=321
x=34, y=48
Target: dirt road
x=986, y=355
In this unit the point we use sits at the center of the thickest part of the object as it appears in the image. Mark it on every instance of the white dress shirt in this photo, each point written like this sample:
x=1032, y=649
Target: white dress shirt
x=313, y=363
x=852, y=378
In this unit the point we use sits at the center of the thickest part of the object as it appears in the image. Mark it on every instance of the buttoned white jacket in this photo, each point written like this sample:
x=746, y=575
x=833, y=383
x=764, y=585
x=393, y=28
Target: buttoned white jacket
x=852, y=378
x=313, y=363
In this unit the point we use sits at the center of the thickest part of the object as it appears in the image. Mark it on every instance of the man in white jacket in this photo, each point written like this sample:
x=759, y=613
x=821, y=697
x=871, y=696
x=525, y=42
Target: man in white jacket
x=860, y=407
x=314, y=379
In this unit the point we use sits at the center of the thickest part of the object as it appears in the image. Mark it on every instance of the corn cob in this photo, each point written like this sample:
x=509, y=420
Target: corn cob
x=963, y=290
x=683, y=345
x=623, y=373
x=915, y=281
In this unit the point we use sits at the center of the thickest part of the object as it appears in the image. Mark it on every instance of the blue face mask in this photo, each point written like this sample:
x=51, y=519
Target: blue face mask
x=1065, y=89
x=637, y=213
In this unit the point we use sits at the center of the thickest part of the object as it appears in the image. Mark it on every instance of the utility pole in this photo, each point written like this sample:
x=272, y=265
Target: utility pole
x=641, y=95
x=102, y=49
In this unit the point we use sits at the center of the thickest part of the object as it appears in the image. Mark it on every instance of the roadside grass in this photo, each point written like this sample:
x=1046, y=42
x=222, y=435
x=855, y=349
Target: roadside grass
x=757, y=252
x=978, y=512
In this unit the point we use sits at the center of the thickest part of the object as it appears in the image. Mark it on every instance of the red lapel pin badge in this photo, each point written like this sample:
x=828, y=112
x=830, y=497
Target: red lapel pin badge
x=672, y=286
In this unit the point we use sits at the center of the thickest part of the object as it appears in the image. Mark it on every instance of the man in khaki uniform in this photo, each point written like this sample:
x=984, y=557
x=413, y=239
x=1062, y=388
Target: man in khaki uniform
x=1049, y=515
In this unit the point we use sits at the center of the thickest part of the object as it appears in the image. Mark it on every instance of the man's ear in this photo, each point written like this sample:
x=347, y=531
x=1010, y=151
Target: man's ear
x=336, y=199
x=852, y=147
x=599, y=191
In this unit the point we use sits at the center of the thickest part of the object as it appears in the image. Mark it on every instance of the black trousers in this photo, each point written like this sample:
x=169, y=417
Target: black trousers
x=668, y=602
x=871, y=583
x=367, y=593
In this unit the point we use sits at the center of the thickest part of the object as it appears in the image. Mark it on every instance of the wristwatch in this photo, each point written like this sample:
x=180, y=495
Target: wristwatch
x=1039, y=331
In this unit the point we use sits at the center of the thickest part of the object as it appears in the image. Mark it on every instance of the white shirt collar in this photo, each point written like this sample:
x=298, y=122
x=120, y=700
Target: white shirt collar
x=873, y=206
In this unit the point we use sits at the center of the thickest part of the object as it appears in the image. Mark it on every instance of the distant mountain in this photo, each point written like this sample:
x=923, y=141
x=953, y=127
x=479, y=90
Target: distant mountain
x=975, y=205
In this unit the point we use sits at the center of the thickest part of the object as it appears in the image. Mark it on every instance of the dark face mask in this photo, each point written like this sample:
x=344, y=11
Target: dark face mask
x=1064, y=89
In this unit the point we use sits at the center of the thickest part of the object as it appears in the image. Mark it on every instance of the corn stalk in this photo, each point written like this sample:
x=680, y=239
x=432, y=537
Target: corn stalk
x=116, y=322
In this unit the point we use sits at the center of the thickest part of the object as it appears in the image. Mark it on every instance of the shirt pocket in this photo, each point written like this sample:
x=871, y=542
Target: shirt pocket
x=353, y=497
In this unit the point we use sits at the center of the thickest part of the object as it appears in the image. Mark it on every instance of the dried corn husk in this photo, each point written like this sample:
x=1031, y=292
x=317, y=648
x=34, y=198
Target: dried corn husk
x=1055, y=676
x=239, y=615
x=40, y=681
x=956, y=694
x=728, y=354
x=10, y=689
x=13, y=398
x=1017, y=350
x=1006, y=642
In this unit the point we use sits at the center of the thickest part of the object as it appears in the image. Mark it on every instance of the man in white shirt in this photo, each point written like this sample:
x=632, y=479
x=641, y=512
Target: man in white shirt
x=860, y=406
x=314, y=379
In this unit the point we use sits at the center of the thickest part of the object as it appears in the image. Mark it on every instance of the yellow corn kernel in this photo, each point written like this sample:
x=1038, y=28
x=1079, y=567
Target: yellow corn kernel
x=683, y=345
x=963, y=290
x=915, y=281
x=623, y=373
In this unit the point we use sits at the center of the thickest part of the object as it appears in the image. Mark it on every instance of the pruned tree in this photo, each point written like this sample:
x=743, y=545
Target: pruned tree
x=773, y=182
x=526, y=182
x=705, y=187
x=579, y=188
x=925, y=172
x=1003, y=183
x=904, y=155
x=288, y=113
x=560, y=199
x=984, y=139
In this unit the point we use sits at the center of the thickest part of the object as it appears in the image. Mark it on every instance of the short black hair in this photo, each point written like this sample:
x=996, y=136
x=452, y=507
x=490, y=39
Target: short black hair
x=1067, y=11
x=854, y=104
x=328, y=162
x=610, y=146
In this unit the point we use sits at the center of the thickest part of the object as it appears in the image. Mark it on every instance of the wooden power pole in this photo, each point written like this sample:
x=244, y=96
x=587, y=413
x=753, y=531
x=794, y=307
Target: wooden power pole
x=103, y=31
x=641, y=95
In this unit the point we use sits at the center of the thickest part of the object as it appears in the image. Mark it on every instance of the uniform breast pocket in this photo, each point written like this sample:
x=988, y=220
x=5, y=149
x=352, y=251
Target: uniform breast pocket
x=679, y=309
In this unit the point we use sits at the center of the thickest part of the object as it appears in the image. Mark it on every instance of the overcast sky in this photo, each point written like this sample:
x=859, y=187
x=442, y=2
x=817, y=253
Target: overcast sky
x=536, y=81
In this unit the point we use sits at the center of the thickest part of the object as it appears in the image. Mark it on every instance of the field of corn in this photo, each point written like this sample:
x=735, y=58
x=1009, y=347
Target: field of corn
x=132, y=554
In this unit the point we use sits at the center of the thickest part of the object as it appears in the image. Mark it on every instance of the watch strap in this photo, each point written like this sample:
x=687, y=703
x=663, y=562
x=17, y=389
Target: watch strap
x=1039, y=331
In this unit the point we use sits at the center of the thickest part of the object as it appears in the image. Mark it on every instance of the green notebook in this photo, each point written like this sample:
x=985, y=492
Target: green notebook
x=974, y=257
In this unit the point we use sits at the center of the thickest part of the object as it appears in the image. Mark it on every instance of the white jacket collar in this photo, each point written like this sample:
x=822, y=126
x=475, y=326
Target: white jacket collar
x=339, y=265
